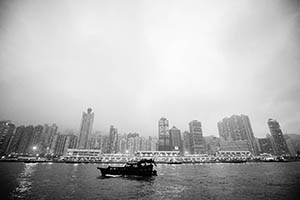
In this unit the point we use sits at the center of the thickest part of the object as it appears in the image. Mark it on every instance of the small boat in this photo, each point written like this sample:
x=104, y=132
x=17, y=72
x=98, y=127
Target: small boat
x=174, y=162
x=144, y=167
x=73, y=161
x=233, y=161
x=34, y=161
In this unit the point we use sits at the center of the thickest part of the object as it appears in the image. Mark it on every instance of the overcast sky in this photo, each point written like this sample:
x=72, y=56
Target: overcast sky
x=135, y=61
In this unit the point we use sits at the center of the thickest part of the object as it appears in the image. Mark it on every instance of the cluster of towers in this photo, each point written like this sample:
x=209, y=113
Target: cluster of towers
x=33, y=139
x=170, y=139
x=113, y=142
x=235, y=133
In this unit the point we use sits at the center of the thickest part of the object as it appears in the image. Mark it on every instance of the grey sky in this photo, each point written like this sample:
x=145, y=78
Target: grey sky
x=135, y=61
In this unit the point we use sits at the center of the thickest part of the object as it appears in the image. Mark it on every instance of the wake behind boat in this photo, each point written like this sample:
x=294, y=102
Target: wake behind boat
x=143, y=167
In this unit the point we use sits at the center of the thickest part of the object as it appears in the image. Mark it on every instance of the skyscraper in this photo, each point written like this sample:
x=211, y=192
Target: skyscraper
x=16, y=139
x=163, y=135
x=280, y=145
x=53, y=143
x=187, y=142
x=25, y=140
x=85, y=128
x=60, y=144
x=6, y=133
x=113, y=139
x=175, y=139
x=198, y=142
x=44, y=140
x=37, y=133
x=122, y=145
x=71, y=142
x=237, y=131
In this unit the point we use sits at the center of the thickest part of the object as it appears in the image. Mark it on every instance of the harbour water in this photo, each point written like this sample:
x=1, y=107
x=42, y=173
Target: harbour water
x=186, y=181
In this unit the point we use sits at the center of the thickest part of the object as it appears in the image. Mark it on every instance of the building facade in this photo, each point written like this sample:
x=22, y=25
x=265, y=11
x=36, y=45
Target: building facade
x=280, y=146
x=113, y=139
x=235, y=129
x=7, y=130
x=175, y=139
x=266, y=146
x=23, y=147
x=187, y=142
x=212, y=144
x=85, y=128
x=163, y=135
x=198, y=141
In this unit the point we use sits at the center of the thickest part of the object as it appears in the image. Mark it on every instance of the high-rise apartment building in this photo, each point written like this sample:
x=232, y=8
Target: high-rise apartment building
x=265, y=145
x=104, y=145
x=187, y=142
x=16, y=139
x=152, y=144
x=143, y=144
x=198, y=142
x=237, y=131
x=212, y=144
x=37, y=134
x=280, y=145
x=60, y=144
x=113, y=139
x=25, y=140
x=163, y=135
x=6, y=133
x=70, y=143
x=44, y=140
x=175, y=139
x=85, y=128
x=122, y=145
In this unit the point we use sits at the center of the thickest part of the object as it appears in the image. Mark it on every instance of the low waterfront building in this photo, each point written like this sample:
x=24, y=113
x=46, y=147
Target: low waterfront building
x=233, y=154
x=82, y=154
x=238, y=145
x=151, y=154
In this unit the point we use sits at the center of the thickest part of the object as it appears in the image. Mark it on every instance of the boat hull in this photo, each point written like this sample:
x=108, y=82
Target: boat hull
x=123, y=171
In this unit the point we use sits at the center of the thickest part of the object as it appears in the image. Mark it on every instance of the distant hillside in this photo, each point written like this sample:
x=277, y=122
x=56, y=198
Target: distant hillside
x=294, y=140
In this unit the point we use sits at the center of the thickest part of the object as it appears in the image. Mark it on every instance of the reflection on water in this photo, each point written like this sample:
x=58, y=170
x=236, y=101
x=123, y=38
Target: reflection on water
x=169, y=191
x=24, y=180
x=210, y=181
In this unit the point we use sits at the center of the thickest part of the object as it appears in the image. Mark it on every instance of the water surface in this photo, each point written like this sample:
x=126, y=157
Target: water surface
x=187, y=181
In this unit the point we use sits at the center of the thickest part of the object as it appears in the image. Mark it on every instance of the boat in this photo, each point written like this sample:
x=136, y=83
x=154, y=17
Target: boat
x=34, y=161
x=233, y=161
x=174, y=162
x=144, y=167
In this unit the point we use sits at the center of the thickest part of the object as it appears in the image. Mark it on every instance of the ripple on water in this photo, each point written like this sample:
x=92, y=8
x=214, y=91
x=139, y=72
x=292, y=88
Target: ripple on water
x=219, y=181
x=24, y=181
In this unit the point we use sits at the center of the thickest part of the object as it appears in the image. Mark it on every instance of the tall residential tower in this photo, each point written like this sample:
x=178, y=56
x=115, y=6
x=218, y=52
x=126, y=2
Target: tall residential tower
x=280, y=145
x=175, y=140
x=163, y=135
x=236, y=134
x=198, y=142
x=85, y=128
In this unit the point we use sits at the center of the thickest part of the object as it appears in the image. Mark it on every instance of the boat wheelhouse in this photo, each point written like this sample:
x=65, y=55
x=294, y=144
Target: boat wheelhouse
x=144, y=167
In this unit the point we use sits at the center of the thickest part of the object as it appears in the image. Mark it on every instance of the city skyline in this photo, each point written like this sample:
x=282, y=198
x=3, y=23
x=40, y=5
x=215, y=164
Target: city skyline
x=134, y=62
x=107, y=130
x=235, y=135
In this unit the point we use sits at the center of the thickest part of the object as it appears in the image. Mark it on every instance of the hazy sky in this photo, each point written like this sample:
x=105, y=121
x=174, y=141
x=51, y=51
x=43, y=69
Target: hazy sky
x=135, y=61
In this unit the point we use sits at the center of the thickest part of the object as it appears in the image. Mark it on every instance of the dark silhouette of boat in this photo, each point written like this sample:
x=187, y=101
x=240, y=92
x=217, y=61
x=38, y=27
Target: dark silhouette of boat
x=233, y=161
x=34, y=161
x=174, y=162
x=73, y=161
x=143, y=167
